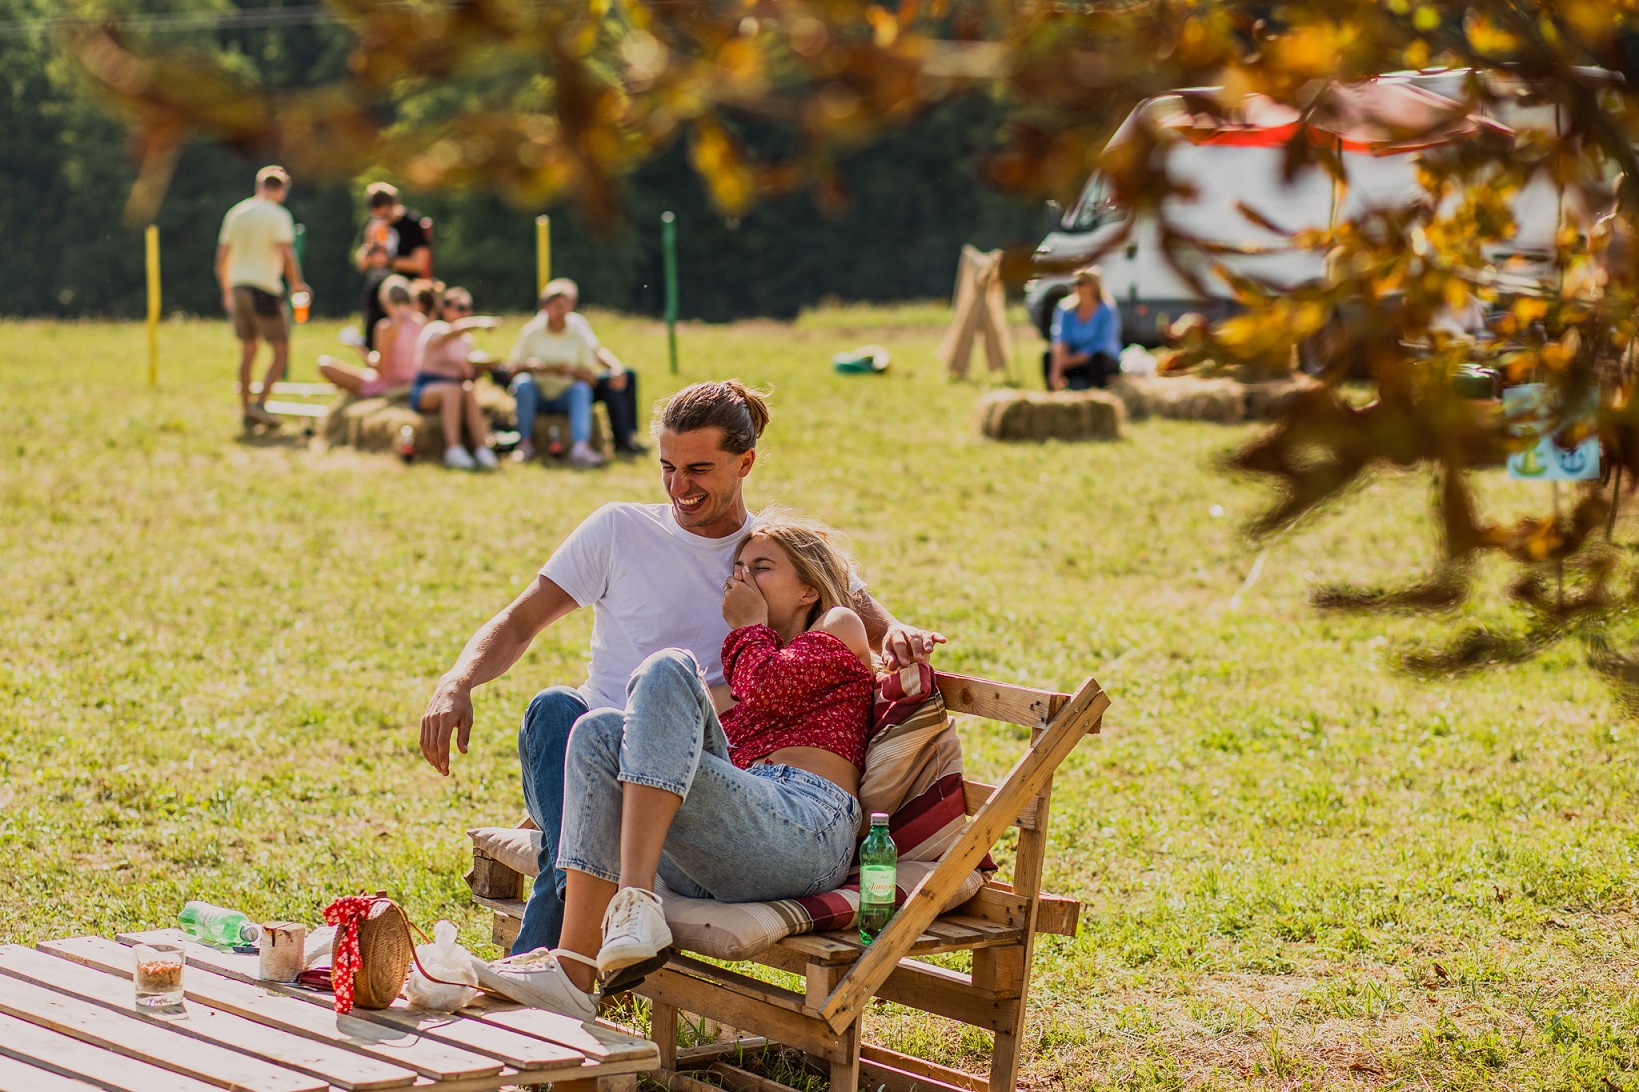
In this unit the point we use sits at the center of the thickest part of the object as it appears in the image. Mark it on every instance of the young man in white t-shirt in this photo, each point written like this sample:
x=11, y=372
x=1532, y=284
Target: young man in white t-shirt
x=653, y=575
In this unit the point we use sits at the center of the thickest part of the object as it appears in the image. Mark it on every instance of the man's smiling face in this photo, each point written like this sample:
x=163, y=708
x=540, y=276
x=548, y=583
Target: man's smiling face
x=703, y=481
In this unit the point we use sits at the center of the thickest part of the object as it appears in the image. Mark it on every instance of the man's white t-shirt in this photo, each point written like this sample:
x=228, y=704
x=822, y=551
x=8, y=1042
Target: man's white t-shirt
x=252, y=231
x=651, y=585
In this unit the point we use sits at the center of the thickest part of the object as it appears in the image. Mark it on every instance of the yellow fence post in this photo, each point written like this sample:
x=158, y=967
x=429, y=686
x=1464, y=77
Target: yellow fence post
x=543, y=252
x=151, y=236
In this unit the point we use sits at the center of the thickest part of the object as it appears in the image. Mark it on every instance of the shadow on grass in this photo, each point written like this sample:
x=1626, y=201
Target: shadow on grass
x=1575, y=602
x=292, y=438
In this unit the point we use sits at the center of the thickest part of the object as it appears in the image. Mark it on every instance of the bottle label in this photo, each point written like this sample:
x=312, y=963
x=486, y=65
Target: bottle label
x=876, y=884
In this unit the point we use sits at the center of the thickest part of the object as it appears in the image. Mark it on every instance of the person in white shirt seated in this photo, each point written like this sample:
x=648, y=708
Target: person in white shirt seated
x=616, y=387
x=554, y=369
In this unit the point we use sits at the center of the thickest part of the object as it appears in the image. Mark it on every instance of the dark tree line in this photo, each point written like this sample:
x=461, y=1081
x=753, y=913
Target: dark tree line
x=67, y=167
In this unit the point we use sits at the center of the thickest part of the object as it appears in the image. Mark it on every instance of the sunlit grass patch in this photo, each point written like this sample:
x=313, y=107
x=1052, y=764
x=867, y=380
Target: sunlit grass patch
x=1300, y=866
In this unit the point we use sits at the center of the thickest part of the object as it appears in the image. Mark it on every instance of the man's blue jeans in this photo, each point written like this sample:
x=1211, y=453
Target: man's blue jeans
x=575, y=402
x=543, y=740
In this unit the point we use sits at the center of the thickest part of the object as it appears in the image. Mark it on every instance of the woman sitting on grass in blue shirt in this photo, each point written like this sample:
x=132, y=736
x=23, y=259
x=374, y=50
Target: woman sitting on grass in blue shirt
x=1086, y=336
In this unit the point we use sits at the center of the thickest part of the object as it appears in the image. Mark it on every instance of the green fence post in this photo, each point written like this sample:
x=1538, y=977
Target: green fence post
x=668, y=249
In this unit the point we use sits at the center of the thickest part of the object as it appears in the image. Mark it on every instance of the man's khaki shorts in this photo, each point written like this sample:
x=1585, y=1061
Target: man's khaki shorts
x=258, y=314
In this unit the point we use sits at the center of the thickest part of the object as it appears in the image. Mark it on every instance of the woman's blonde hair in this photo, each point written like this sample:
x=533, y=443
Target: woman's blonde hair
x=1094, y=275
x=818, y=554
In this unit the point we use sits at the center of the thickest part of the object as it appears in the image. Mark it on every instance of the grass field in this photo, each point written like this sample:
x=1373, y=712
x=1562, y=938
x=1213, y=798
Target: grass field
x=1300, y=867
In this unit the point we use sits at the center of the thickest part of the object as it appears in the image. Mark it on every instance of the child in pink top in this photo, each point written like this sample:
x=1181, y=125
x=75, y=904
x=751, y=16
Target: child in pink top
x=392, y=364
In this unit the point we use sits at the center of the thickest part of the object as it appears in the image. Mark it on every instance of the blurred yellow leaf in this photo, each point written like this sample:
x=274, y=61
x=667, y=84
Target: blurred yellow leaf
x=1529, y=309
x=1486, y=37
x=1307, y=51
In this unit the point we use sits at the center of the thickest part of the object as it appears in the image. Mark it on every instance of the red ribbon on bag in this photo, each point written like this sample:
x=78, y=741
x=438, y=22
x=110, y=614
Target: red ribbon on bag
x=345, y=914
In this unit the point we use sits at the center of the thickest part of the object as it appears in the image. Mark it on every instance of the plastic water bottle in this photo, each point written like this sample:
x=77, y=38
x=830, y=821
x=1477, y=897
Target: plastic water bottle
x=878, y=875
x=218, y=925
x=406, y=443
x=554, y=441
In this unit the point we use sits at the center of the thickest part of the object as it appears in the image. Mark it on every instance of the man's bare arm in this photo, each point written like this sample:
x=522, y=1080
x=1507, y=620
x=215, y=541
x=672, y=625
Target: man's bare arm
x=222, y=276
x=901, y=644
x=490, y=653
x=417, y=263
x=293, y=270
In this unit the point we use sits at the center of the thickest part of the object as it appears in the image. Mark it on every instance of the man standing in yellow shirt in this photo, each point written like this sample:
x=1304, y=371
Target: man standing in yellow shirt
x=255, y=259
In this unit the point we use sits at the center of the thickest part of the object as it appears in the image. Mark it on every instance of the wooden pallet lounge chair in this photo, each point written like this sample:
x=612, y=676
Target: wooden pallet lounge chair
x=998, y=925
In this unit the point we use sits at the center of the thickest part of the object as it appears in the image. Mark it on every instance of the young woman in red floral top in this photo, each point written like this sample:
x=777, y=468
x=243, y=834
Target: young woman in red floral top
x=757, y=804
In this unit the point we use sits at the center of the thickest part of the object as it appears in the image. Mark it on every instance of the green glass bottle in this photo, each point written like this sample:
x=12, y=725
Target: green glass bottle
x=878, y=868
x=218, y=925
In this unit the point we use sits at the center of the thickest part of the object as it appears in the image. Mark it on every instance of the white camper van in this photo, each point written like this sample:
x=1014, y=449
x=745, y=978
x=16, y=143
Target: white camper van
x=1240, y=162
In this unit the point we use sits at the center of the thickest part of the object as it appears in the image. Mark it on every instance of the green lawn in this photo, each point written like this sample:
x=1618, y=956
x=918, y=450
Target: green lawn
x=1300, y=867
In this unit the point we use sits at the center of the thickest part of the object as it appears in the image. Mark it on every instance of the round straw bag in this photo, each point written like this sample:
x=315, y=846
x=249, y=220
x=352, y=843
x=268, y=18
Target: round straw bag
x=385, y=954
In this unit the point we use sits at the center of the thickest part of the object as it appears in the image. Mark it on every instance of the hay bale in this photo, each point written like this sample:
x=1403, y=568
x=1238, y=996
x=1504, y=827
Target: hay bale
x=374, y=424
x=1130, y=389
x=1038, y=415
x=1183, y=397
x=1266, y=401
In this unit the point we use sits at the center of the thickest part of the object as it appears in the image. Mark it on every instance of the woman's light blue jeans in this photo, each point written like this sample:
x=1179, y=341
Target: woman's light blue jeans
x=575, y=402
x=770, y=832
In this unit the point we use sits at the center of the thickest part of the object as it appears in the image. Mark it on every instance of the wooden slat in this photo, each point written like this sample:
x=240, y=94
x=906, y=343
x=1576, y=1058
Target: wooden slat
x=512, y=908
x=625, y=1082
x=1022, y=705
x=826, y=949
x=998, y=902
x=942, y=992
x=335, y=1065
x=296, y=409
x=1028, y=778
x=493, y=879
x=954, y=932
x=596, y=1041
x=896, y=1072
x=915, y=984
x=673, y=1081
x=733, y=981
x=297, y=390
x=147, y=1041
x=18, y=1076
x=707, y=1052
x=709, y=998
x=485, y=1035
x=28, y=1042
x=736, y=1079
x=975, y=794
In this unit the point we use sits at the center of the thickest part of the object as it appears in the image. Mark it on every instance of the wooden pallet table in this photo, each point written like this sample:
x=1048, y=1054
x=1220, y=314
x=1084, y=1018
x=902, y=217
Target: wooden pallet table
x=68, y=1024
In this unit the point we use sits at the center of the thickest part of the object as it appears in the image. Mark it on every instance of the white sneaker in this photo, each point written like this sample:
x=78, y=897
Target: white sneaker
x=582, y=456
x=634, y=930
x=486, y=458
x=350, y=336
x=456, y=458
x=537, y=979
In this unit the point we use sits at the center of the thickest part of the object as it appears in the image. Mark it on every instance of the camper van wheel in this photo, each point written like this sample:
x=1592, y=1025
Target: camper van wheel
x=1044, y=320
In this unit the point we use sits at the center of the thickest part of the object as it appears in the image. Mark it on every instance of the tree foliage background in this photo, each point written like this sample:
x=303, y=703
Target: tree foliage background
x=69, y=164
